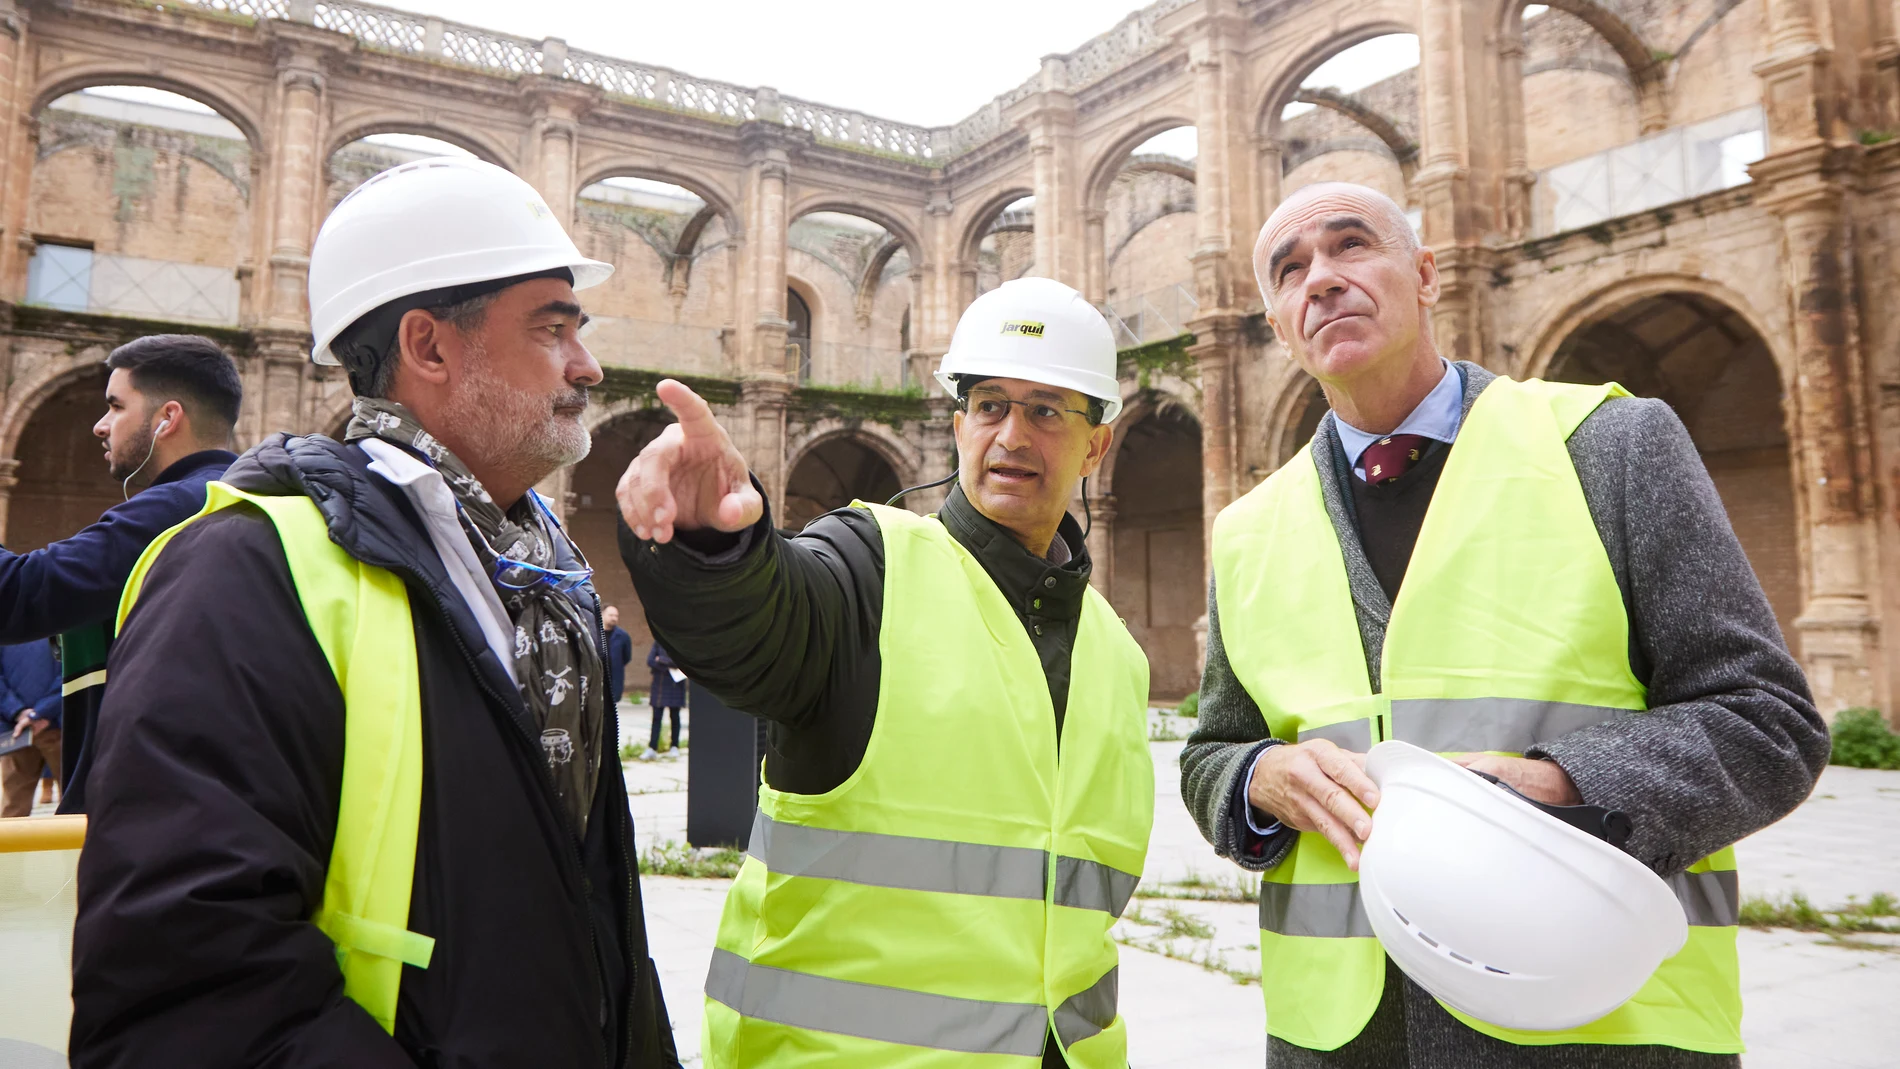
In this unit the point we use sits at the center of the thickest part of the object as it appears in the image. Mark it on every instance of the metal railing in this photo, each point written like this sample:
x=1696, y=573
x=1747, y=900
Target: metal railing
x=1676, y=164
x=80, y=280
x=444, y=40
x=39, y=859
x=1152, y=316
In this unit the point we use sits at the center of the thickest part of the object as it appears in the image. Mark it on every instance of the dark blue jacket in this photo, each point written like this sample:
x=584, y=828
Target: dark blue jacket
x=667, y=692
x=71, y=589
x=619, y=655
x=29, y=679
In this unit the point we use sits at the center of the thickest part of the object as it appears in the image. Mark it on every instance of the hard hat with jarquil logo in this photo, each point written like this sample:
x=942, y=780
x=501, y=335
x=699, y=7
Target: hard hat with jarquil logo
x=1505, y=908
x=433, y=225
x=1037, y=330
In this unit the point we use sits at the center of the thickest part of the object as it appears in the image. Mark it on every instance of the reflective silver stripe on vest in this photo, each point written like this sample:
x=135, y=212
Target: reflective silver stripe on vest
x=1327, y=910
x=899, y=861
x=1709, y=899
x=872, y=1011
x=1354, y=735
x=1333, y=910
x=1093, y=885
x=1088, y=1012
x=1514, y=725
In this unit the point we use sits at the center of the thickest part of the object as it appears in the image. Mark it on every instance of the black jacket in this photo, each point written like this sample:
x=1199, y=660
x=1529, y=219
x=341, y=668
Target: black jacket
x=73, y=586
x=786, y=629
x=217, y=776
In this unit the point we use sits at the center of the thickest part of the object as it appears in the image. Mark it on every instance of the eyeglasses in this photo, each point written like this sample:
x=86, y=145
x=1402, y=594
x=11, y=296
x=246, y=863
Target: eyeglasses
x=989, y=410
x=525, y=576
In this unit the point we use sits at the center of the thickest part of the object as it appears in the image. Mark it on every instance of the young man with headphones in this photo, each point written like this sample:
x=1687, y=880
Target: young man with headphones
x=172, y=401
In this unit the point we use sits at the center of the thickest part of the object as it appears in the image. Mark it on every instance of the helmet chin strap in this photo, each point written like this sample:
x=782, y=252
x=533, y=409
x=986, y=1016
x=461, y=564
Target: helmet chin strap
x=125, y=488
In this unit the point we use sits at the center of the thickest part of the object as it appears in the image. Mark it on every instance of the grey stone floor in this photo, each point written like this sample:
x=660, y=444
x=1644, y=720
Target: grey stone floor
x=1811, y=1003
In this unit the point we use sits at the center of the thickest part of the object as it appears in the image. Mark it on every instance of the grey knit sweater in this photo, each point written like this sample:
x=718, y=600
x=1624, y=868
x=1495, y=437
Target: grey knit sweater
x=1731, y=742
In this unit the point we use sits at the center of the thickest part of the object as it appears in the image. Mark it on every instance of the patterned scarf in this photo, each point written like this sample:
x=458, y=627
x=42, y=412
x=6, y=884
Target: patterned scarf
x=556, y=659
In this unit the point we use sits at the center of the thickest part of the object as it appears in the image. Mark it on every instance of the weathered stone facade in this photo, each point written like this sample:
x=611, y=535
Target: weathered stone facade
x=1694, y=198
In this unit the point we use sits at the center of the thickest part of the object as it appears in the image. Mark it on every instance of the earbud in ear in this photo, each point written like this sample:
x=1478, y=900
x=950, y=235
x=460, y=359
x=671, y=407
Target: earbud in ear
x=162, y=424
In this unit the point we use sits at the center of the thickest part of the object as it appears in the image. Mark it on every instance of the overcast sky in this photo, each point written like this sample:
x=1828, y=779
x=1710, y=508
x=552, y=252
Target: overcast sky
x=929, y=64
x=895, y=60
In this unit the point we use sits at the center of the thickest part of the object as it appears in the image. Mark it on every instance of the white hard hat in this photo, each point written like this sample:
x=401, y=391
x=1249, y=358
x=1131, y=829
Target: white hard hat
x=429, y=225
x=1500, y=909
x=1038, y=330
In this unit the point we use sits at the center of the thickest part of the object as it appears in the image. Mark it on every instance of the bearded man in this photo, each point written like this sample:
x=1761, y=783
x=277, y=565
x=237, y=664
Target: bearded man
x=355, y=799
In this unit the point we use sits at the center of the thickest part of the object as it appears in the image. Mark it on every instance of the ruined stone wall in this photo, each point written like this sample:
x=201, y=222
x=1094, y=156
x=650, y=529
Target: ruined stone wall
x=1149, y=233
x=1578, y=96
x=143, y=191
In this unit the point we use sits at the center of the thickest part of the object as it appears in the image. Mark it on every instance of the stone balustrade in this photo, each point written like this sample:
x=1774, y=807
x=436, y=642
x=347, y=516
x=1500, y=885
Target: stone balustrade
x=389, y=30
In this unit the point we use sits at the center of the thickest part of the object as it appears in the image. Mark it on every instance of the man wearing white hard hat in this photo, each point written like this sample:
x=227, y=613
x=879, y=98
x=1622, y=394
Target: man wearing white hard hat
x=356, y=799
x=957, y=792
x=1537, y=580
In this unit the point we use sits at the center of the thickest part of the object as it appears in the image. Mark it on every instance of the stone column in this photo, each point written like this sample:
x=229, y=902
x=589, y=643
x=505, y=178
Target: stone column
x=1517, y=221
x=1461, y=181
x=296, y=166
x=17, y=151
x=934, y=297
x=1804, y=182
x=1269, y=157
x=1219, y=342
x=555, y=109
x=768, y=148
x=1050, y=120
x=1224, y=198
x=1095, y=253
x=9, y=478
x=1102, y=543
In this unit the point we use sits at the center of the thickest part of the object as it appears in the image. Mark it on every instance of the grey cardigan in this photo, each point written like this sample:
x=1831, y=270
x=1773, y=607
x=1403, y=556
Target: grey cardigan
x=1732, y=741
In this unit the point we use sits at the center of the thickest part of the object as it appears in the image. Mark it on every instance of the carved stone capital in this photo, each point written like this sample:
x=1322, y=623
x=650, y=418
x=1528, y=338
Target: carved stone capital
x=557, y=99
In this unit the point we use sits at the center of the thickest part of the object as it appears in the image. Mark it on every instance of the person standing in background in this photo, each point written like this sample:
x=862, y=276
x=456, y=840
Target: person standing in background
x=668, y=693
x=619, y=653
x=29, y=695
x=172, y=403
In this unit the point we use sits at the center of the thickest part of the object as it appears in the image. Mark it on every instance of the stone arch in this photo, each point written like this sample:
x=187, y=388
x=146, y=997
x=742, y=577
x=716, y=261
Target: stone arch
x=1109, y=162
x=1638, y=58
x=700, y=186
x=480, y=144
x=1382, y=127
x=1721, y=11
x=835, y=466
x=873, y=274
x=1719, y=374
x=1139, y=403
x=892, y=224
x=62, y=480
x=91, y=76
x=1282, y=87
x=1291, y=419
x=35, y=390
x=1564, y=317
x=1152, y=533
x=978, y=226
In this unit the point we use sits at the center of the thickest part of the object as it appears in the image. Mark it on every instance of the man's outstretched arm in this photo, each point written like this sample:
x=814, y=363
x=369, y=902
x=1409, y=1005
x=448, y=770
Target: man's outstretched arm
x=219, y=762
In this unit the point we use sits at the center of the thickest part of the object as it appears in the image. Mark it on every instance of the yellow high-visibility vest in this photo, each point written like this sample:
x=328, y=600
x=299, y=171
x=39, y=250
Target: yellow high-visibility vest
x=360, y=616
x=1509, y=630
x=953, y=897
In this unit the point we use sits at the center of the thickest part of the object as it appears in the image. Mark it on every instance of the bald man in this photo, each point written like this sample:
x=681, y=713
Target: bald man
x=1357, y=597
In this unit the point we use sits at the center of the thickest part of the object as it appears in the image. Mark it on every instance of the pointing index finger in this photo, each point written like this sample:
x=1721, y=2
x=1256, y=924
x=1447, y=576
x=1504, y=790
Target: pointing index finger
x=694, y=414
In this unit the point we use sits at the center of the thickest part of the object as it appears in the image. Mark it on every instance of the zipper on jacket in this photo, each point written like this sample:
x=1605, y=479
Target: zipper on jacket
x=547, y=782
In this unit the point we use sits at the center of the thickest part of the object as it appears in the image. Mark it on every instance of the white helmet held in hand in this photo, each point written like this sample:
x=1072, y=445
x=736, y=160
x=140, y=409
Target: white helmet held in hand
x=433, y=224
x=1037, y=330
x=1500, y=909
